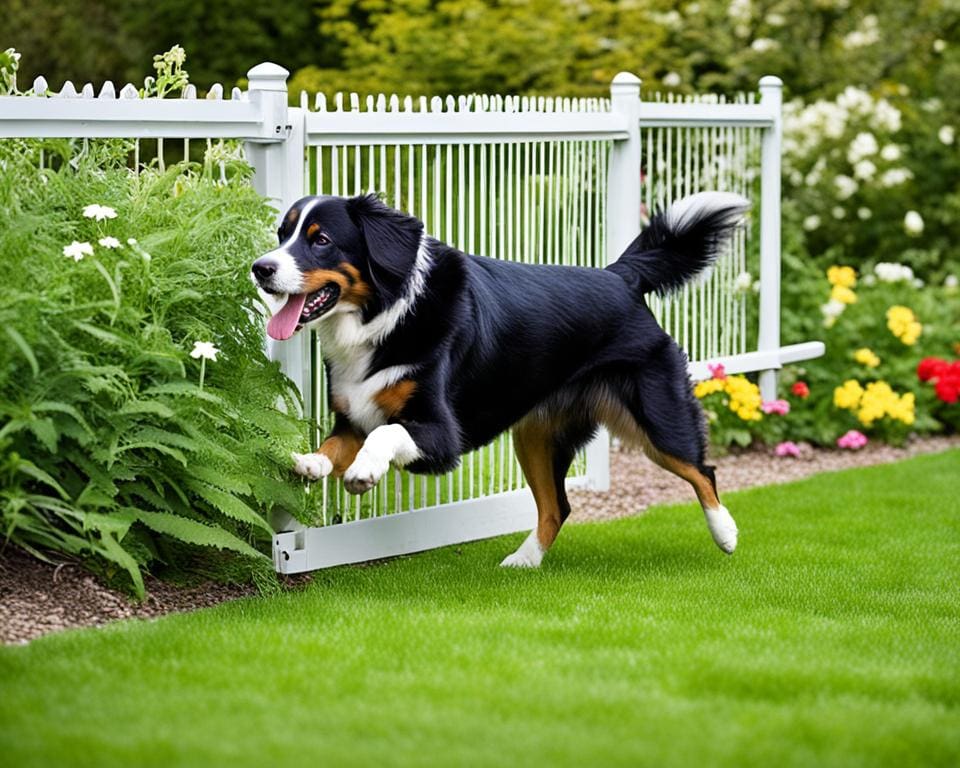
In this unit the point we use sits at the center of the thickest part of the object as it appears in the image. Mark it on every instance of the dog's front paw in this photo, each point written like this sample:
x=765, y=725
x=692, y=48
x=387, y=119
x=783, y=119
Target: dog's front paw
x=312, y=466
x=364, y=473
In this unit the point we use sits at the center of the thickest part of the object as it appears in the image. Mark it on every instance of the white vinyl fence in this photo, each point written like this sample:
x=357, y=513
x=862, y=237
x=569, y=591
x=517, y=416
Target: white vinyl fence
x=531, y=179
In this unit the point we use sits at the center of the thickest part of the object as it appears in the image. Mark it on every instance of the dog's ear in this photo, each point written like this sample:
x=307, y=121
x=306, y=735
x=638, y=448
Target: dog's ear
x=392, y=239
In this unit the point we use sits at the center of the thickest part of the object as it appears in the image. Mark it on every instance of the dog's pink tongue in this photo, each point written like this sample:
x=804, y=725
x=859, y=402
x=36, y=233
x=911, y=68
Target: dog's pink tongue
x=284, y=322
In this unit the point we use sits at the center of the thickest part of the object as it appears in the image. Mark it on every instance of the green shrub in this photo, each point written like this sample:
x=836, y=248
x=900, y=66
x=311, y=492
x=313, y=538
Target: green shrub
x=111, y=447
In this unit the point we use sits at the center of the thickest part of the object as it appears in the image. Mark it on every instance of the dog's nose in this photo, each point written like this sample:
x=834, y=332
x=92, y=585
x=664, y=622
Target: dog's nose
x=264, y=269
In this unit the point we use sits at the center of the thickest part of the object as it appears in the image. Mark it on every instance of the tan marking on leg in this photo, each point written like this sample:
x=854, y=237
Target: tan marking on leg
x=341, y=449
x=392, y=399
x=533, y=443
x=620, y=422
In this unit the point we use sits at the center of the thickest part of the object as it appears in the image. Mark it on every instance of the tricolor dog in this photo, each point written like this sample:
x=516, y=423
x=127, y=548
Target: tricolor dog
x=432, y=352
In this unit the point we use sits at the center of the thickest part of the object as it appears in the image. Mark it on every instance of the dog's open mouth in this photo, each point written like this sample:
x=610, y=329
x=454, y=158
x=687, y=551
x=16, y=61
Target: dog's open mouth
x=300, y=309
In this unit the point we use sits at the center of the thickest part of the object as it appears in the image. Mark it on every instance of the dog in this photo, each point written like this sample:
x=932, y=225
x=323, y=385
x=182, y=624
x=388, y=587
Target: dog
x=432, y=352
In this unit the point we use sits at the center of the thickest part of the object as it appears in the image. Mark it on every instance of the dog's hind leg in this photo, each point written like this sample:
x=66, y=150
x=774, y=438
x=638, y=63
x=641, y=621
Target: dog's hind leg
x=669, y=425
x=545, y=448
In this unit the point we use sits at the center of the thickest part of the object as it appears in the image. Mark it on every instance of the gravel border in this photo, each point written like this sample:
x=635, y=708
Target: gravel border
x=37, y=598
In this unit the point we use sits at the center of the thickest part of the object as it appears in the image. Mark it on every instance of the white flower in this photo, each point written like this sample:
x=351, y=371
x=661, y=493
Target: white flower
x=867, y=35
x=776, y=19
x=205, y=350
x=890, y=152
x=946, y=134
x=895, y=176
x=886, y=116
x=109, y=242
x=131, y=241
x=845, y=186
x=838, y=212
x=99, y=212
x=892, y=272
x=864, y=145
x=864, y=213
x=671, y=79
x=764, y=44
x=739, y=10
x=743, y=282
x=864, y=170
x=831, y=311
x=917, y=283
x=77, y=251
x=869, y=280
x=913, y=223
x=811, y=223
x=950, y=282
x=939, y=45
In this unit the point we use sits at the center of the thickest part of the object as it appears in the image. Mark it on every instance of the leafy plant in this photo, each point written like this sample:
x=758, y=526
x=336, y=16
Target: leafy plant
x=110, y=449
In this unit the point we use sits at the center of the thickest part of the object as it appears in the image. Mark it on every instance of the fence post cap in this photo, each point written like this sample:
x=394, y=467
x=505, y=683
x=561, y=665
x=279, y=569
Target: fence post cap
x=771, y=81
x=626, y=78
x=268, y=77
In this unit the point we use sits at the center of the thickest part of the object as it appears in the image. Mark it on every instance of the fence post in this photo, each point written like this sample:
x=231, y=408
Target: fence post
x=623, y=225
x=771, y=96
x=278, y=162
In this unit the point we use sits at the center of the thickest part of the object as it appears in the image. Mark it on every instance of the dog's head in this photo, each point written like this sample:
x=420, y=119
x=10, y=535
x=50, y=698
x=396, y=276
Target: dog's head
x=336, y=255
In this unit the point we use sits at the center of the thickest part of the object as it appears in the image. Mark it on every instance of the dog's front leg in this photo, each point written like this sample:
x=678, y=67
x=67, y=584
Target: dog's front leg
x=334, y=456
x=386, y=445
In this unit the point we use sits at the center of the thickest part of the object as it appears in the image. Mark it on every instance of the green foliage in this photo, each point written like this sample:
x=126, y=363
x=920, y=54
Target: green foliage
x=829, y=638
x=109, y=448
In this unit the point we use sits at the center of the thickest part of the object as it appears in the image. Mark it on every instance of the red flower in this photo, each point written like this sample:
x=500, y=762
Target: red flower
x=800, y=389
x=948, y=389
x=931, y=368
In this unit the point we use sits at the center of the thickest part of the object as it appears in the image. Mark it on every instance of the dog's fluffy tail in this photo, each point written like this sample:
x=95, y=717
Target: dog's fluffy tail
x=681, y=242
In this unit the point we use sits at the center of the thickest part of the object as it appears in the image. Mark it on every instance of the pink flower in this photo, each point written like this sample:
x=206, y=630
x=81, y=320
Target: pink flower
x=717, y=370
x=852, y=440
x=788, y=448
x=779, y=407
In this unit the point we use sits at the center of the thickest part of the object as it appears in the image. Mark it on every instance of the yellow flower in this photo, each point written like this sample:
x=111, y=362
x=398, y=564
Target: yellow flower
x=708, y=387
x=843, y=277
x=866, y=357
x=904, y=324
x=879, y=400
x=843, y=295
x=848, y=396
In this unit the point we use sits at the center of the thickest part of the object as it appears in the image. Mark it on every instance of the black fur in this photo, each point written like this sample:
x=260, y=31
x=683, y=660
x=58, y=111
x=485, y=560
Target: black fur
x=494, y=342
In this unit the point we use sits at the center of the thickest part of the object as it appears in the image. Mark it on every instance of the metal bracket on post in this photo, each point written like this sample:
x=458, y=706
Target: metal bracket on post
x=768, y=340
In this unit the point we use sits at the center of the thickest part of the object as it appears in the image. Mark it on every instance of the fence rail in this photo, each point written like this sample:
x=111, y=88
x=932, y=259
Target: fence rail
x=541, y=180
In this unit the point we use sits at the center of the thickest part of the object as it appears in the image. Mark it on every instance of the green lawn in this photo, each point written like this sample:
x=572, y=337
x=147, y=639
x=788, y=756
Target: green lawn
x=831, y=637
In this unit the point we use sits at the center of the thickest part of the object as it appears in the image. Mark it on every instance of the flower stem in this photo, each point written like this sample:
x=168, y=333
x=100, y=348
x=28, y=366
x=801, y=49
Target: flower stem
x=203, y=370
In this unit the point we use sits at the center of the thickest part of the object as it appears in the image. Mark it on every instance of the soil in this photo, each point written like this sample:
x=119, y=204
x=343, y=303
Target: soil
x=37, y=598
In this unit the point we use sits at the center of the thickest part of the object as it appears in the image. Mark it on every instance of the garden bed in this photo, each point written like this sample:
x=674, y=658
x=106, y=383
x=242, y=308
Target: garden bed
x=37, y=598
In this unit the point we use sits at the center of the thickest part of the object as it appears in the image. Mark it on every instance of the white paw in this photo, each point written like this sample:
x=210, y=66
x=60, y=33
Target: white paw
x=528, y=555
x=365, y=472
x=722, y=527
x=312, y=466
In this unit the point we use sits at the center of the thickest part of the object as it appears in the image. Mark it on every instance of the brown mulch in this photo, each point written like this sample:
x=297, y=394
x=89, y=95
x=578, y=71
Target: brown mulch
x=37, y=598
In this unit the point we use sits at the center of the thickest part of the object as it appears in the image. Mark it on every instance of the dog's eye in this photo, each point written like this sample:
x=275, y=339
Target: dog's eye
x=321, y=239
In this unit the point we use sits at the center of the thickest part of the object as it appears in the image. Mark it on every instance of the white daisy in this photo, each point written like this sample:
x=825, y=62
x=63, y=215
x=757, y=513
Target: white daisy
x=109, y=242
x=99, y=212
x=77, y=250
x=205, y=350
